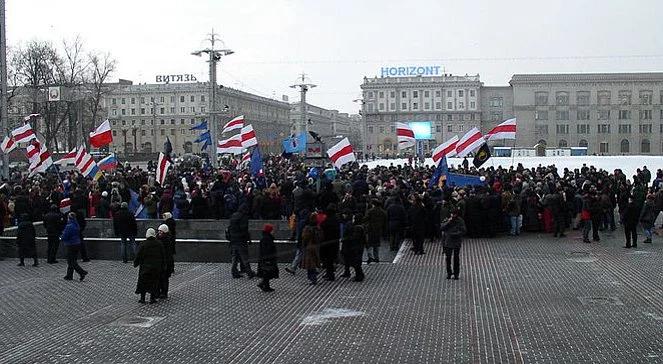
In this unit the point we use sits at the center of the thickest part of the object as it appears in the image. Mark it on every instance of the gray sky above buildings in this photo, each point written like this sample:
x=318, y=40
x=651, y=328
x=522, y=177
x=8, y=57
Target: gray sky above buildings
x=338, y=42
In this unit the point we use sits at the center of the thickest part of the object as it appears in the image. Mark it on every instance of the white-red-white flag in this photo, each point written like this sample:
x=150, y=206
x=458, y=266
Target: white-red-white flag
x=65, y=205
x=234, y=124
x=469, y=142
x=24, y=134
x=447, y=149
x=505, y=130
x=405, y=136
x=245, y=161
x=39, y=156
x=341, y=153
x=248, y=136
x=8, y=144
x=163, y=164
x=232, y=145
x=68, y=158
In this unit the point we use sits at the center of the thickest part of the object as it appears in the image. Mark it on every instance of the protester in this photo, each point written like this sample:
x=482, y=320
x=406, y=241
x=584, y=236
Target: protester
x=25, y=240
x=453, y=229
x=151, y=260
x=164, y=237
x=648, y=217
x=630, y=217
x=354, y=241
x=311, y=239
x=239, y=237
x=125, y=226
x=376, y=219
x=331, y=233
x=53, y=224
x=268, y=268
x=72, y=242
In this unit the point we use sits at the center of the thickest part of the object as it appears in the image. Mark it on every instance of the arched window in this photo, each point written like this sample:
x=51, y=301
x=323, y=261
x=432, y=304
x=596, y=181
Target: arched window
x=645, y=146
x=563, y=143
x=624, y=146
x=582, y=143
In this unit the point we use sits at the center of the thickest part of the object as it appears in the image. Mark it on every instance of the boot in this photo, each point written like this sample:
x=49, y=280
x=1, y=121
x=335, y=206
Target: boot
x=36, y=262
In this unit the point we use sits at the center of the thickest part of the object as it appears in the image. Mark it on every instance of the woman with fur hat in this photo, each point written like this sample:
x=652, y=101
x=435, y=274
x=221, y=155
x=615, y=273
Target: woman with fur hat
x=151, y=260
x=164, y=236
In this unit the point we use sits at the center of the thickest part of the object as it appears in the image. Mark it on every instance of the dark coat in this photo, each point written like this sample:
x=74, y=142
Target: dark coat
x=151, y=260
x=311, y=238
x=172, y=231
x=169, y=250
x=417, y=220
x=396, y=217
x=331, y=231
x=25, y=238
x=54, y=223
x=238, y=228
x=354, y=241
x=376, y=221
x=267, y=260
x=631, y=214
x=103, y=208
x=648, y=214
x=454, y=229
x=124, y=224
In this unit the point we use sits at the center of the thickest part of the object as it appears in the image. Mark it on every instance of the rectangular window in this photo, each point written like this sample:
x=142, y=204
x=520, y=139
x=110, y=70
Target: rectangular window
x=460, y=128
x=582, y=98
x=181, y=121
x=124, y=101
x=172, y=99
x=427, y=105
x=460, y=93
x=471, y=93
x=113, y=101
x=604, y=115
x=133, y=101
x=415, y=106
x=450, y=128
x=461, y=105
x=182, y=110
x=181, y=98
x=426, y=93
x=142, y=100
x=114, y=132
x=449, y=117
x=472, y=117
x=404, y=94
x=562, y=98
x=604, y=128
x=382, y=130
x=450, y=105
x=392, y=94
x=161, y=99
x=133, y=111
x=142, y=133
x=172, y=131
x=172, y=110
x=370, y=94
x=392, y=106
x=403, y=106
x=438, y=105
x=645, y=129
x=438, y=128
x=582, y=114
x=438, y=93
x=193, y=99
x=624, y=114
x=582, y=128
x=603, y=148
x=624, y=129
x=415, y=94
x=163, y=111
x=562, y=129
x=172, y=121
x=449, y=93
x=541, y=115
x=624, y=97
x=124, y=112
x=496, y=116
x=541, y=98
x=603, y=98
x=163, y=122
x=473, y=105
x=202, y=98
x=202, y=109
x=645, y=114
x=142, y=111
x=163, y=132
x=495, y=102
x=114, y=112
x=381, y=106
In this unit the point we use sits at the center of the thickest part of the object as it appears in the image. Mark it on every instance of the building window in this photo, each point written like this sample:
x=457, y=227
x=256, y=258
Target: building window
x=393, y=129
x=202, y=98
x=646, y=97
x=161, y=99
x=460, y=127
x=562, y=143
x=114, y=132
x=415, y=94
x=133, y=101
x=181, y=98
x=645, y=129
x=473, y=105
x=382, y=130
x=163, y=122
x=461, y=117
x=449, y=93
x=460, y=93
x=582, y=128
x=450, y=105
x=582, y=114
x=624, y=97
x=124, y=101
x=163, y=110
x=142, y=100
x=438, y=128
x=392, y=106
x=124, y=112
x=645, y=114
x=562, y=98
x=582, y=98
x=604, y=115
x=172, y=121
x=450, y=128
x=449, y=117
x=415, y=106
x=426, y=93
x=370, y=94
x=461, y=105
x=604, y=128
x=370, y=129
x=142, y=133
x=495, y=116
x=392, y=94
x=603, y=148
x=540, y=98
x=182, y=110
x=438, y=105
x=403, y=106
x=541, y=115
x=541, y=129
x=133, y=111
x=114, y=101
x=624, y=129
x=562, y=129
x=172, y=110
x=624, y=146
x=583, y=143
x=472, y=93
x=472, y=117
x=624, y=114
x=193, y=99
x=381, y=106
x=202, y=109
x=645, y=146
x=369, y=106
x=114, y=112
x=495, y=102
x=438, y=93
x=603, y=98
x=163, y=132
x=181, y=121
x=404, y=94
x=427, y=105
x=142, y=111
x=172, y=131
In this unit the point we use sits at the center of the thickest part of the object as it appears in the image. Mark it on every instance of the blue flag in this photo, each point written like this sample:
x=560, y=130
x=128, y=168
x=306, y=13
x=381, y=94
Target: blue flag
x=454, y=179
x=134, y=204
x=204, y=137
x=256, y=162
x=167, y=148
x=441, y=170
x=201, y=126
x=208, y=142
x=295, y=144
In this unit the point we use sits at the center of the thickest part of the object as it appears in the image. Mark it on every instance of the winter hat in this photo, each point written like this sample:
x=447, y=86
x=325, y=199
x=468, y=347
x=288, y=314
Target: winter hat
x=151, y=233
x=124, y=205
x=268, y=228
x=163, y=228
x=104, y=194
x=167, y=215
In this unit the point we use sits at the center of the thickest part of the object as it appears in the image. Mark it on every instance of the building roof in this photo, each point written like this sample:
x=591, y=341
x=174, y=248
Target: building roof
x=586, y=77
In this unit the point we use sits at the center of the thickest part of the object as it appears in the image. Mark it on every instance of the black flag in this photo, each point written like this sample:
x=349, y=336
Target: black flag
x=481, y=156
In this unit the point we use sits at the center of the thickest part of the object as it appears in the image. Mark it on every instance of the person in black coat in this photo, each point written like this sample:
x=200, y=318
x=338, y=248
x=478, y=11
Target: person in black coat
x=396, y=221
x=125, y=226
x=25, y=240
x=331, y=231
x=417, y=222
x=53, y=223
x=151, y=260
x=630, y=217
x=354, y=240
x=453, y=230
x=163, y=235
x=80, y=218
x=267, y=264
x=239, y=236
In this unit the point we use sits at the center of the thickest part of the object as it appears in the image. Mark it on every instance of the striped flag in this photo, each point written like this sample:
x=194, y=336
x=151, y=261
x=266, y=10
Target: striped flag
x=232, y=145
x=248, y=137
x=86, y=164
x=68, y=158
x=341, y=153
x=505, y=130
x=469, y=142
x=446, y=149
x=8, y=144
x=23, y=134
x=405, y=136
x=234, y=124
x=163, y=164
x=65, y=205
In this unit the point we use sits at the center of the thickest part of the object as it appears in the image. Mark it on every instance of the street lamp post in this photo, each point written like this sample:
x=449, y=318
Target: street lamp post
x=303, y=88
x=214, y=57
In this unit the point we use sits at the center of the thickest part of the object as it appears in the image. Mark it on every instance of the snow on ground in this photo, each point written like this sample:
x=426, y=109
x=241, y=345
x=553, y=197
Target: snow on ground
x=628, y=164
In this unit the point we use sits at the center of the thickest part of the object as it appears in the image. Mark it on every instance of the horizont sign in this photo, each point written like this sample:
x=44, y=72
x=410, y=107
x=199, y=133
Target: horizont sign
x=410, y=71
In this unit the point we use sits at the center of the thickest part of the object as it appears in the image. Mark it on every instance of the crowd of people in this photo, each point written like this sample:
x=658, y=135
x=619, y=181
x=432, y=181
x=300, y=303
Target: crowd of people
x=331, y=212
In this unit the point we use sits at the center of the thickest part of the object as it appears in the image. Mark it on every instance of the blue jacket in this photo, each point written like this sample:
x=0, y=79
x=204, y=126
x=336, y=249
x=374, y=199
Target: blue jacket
x=70, y=234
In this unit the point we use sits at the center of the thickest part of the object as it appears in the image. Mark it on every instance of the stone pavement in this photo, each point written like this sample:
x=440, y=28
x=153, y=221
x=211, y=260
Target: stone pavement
x=534, y=299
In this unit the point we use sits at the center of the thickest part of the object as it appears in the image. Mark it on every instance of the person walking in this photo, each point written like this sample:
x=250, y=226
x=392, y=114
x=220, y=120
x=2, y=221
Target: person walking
x=151, y=260
x=239, y=236
x=82, y=223
x=53, y=223
x=311, y=238
x=72, y=242
x=630, y=217
x=25, y=241
x=376, y=221
x=163, y=235
x=354, y=240
x=648, y=217
x=453, y=229
x=329, y=248
x=268, y=268
x=125, y=226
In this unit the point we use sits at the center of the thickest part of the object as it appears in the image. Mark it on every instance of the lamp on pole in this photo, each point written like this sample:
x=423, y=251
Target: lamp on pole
x=214, y=57
x=303, y=88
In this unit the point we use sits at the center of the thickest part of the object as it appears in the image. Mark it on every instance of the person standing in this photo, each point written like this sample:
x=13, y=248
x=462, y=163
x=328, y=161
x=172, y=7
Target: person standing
x=331, y=232
x=630, y=217
x=53, y=223
x=80, y=217
x=151, y=259
x=164, y=236
x=125, y=226
x=71, y=240
x=376, y=219
x=311, y=238
x=648, y=217
x=25, y=240
x=454, y=229
x=417, y=222
x=396, y=221
x=239, y=236
x=354, y=240
x=267, y=264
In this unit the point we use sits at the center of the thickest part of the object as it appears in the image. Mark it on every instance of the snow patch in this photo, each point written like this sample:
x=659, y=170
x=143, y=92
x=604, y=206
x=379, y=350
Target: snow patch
x=328, y=314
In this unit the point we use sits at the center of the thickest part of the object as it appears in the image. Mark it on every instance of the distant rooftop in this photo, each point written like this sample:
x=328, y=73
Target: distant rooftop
x=566, y=77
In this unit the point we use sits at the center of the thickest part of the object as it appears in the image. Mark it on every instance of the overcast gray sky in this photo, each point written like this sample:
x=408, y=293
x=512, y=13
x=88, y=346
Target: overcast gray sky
x=338, y=42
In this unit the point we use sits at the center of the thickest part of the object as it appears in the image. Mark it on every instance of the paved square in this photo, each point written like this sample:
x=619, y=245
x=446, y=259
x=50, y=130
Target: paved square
x=535, y=300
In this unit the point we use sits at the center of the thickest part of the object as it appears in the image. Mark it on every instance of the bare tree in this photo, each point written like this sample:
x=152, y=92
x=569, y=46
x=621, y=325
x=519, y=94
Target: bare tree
x=102, y=66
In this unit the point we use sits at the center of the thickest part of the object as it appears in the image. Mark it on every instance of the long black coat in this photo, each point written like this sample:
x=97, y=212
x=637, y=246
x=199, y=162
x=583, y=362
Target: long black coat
x=354, y=241
x=25, y=239
x=454, y=230
x=54, y=223
x=417, y=220
x=124, y=224
x=331, y=231
x=151, y=260
x=267, y=263
x=169, y=250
